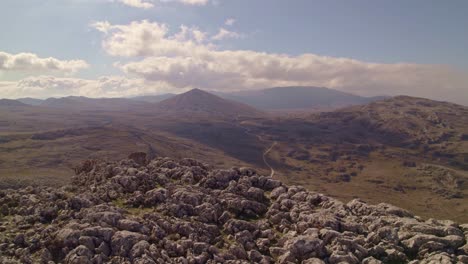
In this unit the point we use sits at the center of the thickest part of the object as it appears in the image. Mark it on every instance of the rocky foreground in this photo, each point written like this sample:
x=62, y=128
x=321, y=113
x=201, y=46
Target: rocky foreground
x=167, y=211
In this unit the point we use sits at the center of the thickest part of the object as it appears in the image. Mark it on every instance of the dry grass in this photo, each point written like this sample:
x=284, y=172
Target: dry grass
x=358, y=152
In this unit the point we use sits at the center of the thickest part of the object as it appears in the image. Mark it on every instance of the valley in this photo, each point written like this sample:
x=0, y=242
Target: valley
x=406, y=151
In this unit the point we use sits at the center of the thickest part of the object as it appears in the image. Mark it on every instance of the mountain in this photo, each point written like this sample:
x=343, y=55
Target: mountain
x=280, y=98
x=404, y=150
x=10, y=103
x=297, y=98
x=183, y=211
x=405, y=120
x=63, y=102
x=30, y=101
x=197, y=101
x=153, y=98
x=85, y=103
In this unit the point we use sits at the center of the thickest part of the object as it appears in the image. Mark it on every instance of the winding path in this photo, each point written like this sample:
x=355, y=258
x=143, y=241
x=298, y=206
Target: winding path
x=265, y=153
x=265, y=158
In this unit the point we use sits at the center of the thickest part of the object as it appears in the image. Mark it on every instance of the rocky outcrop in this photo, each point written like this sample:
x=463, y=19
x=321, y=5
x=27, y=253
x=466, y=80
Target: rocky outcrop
x=168, y=211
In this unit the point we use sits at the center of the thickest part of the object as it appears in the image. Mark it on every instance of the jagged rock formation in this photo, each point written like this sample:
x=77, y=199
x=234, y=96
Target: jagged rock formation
x=167, y=211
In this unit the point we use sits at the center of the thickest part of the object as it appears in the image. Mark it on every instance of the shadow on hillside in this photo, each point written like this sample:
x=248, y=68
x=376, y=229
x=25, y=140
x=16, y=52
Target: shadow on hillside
x=223, y=136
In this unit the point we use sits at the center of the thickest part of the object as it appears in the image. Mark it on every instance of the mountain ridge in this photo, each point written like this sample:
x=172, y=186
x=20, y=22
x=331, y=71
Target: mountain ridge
x=298, y=97
x=11, y=103
x=292, y=98
x=86, y=103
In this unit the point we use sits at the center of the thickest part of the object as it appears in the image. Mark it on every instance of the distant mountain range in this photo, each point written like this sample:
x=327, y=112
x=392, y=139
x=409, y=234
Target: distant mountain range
x=298, y=98
x=10, y=103
x=30, y=101
x=271, y=99
x=85, y=103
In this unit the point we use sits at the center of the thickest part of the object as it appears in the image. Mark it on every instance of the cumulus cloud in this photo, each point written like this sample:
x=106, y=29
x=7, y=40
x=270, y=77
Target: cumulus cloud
x=230, y=22
x=190, y=33
x=187, y=62
x=138, y=3
x=144, y=38
x=29, y=62
x=192, y=2
x=226, y=34
x=147, y=4
x=106, y=86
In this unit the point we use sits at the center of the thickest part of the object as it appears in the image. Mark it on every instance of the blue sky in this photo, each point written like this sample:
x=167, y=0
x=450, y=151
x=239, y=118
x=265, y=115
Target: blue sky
x=387, y=33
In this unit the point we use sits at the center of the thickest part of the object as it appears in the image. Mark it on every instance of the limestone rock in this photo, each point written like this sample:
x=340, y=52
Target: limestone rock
x=184, y=211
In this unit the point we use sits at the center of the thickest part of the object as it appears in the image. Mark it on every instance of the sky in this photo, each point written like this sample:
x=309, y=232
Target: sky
x=122, y=48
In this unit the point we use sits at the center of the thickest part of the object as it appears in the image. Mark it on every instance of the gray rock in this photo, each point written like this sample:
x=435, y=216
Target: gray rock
x=105, y=218
x=104, y=249
x=313, y=261
x=415, y=242
x=139, y=249
x=371, y=260
x=103, y=233
x=67, y=237
x=87, y=242
x=114, y=214
x=155, y=196
x=305, y=247
x=343, y=258
x=123, y=241
x=129, y=225
x=79, y=255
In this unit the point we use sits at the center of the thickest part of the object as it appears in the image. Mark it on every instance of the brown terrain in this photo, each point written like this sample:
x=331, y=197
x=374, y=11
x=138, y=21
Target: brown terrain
x=407, y=151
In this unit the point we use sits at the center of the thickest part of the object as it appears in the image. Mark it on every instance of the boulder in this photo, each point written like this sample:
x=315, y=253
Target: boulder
x=123, y=241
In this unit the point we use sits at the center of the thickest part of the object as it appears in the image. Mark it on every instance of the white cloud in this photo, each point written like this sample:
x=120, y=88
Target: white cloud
x=31, y=63
x=193, y=2
x=107, y=86
x=183, y=61
x=230, y=22
x=144, y=38
x=138, y=3
x=103, y=26
x=190, y=33
x=226, y=34
x=147, y=4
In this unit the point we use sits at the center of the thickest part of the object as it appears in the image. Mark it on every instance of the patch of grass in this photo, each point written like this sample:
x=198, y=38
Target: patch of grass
x=134, y=211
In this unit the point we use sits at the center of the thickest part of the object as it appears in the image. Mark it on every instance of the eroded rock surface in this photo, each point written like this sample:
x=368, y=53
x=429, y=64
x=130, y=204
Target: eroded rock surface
x=168, y=211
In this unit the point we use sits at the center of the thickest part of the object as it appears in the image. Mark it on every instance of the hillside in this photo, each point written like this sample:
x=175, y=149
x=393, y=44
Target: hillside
x=47, y=157
x=200, y=102
x=404, y=150
x=39, y=145
x=376, y=152
x=409, y=120
x=298, y=98
x=183, y=211
x=153, y=98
